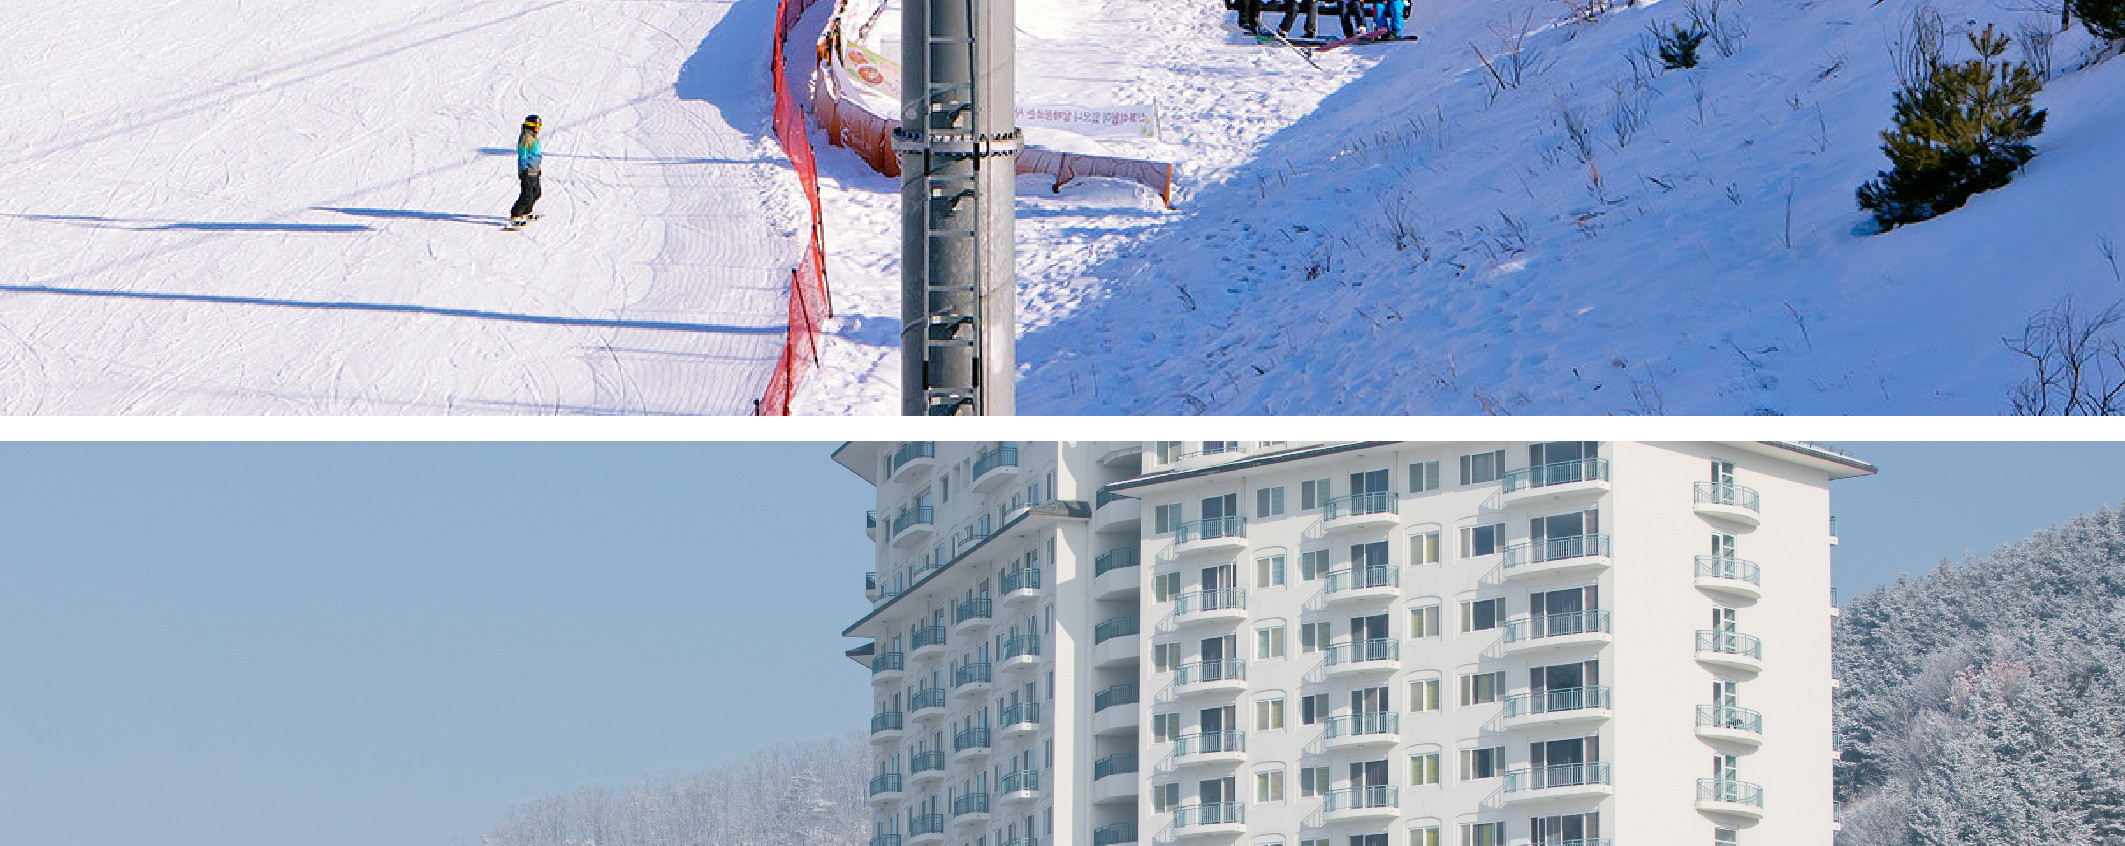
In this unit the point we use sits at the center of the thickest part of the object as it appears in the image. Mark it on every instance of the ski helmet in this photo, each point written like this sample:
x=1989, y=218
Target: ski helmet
x=531, y=121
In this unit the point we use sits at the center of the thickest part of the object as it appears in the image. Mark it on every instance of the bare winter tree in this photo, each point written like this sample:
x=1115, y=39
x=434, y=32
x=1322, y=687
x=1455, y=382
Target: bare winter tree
x=2079, y=364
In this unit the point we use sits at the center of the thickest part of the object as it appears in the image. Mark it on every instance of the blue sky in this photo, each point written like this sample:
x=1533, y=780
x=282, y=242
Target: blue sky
x=386, y=644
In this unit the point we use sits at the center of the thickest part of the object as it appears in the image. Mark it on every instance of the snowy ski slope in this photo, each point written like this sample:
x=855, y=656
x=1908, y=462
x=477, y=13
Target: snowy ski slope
x=292, y=207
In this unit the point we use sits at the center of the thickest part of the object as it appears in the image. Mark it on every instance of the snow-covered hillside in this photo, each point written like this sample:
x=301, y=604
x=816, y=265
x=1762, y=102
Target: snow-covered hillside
x=286, y=206
x=1396, y=233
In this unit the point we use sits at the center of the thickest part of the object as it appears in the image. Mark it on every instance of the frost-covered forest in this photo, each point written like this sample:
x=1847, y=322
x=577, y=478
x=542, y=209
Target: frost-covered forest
x=1985, y=703
x=792, y=793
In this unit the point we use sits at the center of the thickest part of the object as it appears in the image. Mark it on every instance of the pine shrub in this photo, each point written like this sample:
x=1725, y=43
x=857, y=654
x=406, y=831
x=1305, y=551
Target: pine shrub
x=1678, y=46
x=2105, y=18
x=1960, y=129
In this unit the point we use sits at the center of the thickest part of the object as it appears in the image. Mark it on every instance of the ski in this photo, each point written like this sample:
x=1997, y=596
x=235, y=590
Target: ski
x=1280, y=37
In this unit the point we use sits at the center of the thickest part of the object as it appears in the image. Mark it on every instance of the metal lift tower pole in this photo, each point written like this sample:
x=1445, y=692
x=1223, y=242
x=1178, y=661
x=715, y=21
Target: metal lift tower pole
x=958, y=143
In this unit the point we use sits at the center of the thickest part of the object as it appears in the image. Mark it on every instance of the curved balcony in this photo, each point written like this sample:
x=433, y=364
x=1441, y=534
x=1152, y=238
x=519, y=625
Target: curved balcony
x=1113, y=711
x=1116, y=642
x=1210, y=606
x=973, y=616
x=1557, y=631
x=970, y=745
x=1573, y=555
x=1364, y=728
x=1211, y=535
x=1358, y=511
x=886, y=726
x=1210, y=747
x=971, y=809
x=1020, y=720
x=1558, y=781
x=1021, y=586
x=913, y=526
x=1377, y=581
x=1116, y=574
x=1556, y=482
x=1216, y=818
x=1730, y=649
x=912, y=457
x=1376, y=655
x=926, y=767
x=1558, y=707
x=928, y=643
x=973, y=680
x=924, y=829
x=1727, y=796
x=1730, y=575
x=1116, y=514
x=1021, y=653
x=1018, y=786
x=885, y=840
x=1377, y=802
x=888, y=668
x=1122, y=788
x=1733, y=503
x=926, y=704
x=996, y=467
x=1733, y=725
x=1226, y=676
x=885, y=789
x=1108, y=835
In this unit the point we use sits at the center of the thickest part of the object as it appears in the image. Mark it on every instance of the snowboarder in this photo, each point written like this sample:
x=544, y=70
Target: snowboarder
x=1392, y=13
x=1250, y=16
x=1291, y=10
x=1352, y=14
x=527, y=172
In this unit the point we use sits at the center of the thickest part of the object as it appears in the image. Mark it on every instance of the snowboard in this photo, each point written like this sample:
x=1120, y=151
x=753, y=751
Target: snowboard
x=513, y=226
x=1373, y=35
x=1286, y=41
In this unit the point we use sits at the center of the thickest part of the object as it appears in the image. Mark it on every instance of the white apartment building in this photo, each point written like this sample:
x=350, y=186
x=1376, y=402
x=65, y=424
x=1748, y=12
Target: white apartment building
x=1350, y=644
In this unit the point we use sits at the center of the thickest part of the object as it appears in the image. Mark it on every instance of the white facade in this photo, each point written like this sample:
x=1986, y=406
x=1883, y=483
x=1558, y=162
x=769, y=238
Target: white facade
x=1286, y=643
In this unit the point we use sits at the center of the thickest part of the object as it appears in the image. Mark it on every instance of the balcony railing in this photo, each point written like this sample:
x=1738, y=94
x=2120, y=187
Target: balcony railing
x=1354, y=505
x=1119, y=762
x=887, y=783
x=1210, y=741
x=1217, y=599
x=1213, y=448
x=885, y=840
x=1553, y=625
x=973, y=738
x=970, y=674
x=888, y=661
x=1560, y=473
x=1100, y=499
x=1208, y=671
x=929, y=697
x=929, y=636
x=972, y=803
x=1729, y=717
x=1729, y=790
x=885, y=721
x=1122, y=626
x=1373, y=796
x=1121, y=694
x=1020, y=841
x=1023, y=712
x=1377, y=649
x=1557, y=700
x=926, y=761
x=1210, y=529
x=1003, y=456
x=1364, y=722
x=919, y=516
x=921, y=824
x=1369, y=576
x=1556, y=549
x=870, y=519
x=1717, y=493
x=1018, y=780
x=911, y=451
x=1023, y=578
x=1025, y=644
x=1724, y=567
x=1209, y=814
x=1115, y=559
x=1731, y=643
x=1557, y=775
x=979, y=608
x=1108, y=835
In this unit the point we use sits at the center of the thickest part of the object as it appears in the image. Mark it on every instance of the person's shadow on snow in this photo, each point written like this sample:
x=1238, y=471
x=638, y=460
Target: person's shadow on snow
x=412, y=214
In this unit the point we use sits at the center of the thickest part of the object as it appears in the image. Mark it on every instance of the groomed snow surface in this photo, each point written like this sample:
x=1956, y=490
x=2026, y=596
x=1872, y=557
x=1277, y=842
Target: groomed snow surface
x=286, y=206
x=1391, y=235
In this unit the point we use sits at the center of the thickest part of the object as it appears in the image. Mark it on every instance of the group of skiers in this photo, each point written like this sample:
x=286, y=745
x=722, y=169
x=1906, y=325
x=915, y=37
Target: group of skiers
x=1387, y=17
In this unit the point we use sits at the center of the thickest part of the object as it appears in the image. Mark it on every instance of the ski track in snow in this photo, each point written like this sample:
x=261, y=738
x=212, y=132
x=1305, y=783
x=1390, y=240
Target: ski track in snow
x=282, y=207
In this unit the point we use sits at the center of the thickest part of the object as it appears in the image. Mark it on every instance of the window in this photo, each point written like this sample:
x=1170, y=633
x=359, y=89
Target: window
x=1483, y=834
x=1165, y=727
x=1166, y=450
x=1424, y=769
x=1269, y=786
x=1424, y=548
x=1313, y=781
x=1482, y=540
x=1313, y=494
x=1164, y=586
x=1166, y=518
x=1269, y=642
x=1427, y=836
x=1313, y=709
x=1269, y=572
x=1481, y=688
x=1424, y=695
x=1319, y=842
x=1482, y=763
x=1165, y=656
x=1424, y=622
x=1165, y=796
x=1269, y=502
x=1725, y=836
x=1482, y=467
x=1423, y=476
x=1313, y=564
x=1482, y=614
x=944, y=488
x=1269, y=714
x=1313, y=637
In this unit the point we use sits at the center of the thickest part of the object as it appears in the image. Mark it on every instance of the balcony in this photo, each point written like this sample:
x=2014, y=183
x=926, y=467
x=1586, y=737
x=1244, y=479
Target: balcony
x=1215, y=534
x=929, y=642
x=1733, y=725
x=1557, y=631
x=1115, y=574
x=925, y=829
x=1730, y=649
x=972, y=680
x=1376, y=655
x=1126, y=455
x=1021, y=719
x=885, y=789
x=973, y=616
x=870, y=524
x=1021, y=653
x=1730, y=576
x=1111, y=711
x=1218, y=818
x=1210, y=606
x=1733, y=503
x=1115, y=514
x=1115, y=790
x=885, y=840
x=1558, y=781
x=1556, y=482
x=913, y=457
x=926, y=704
x=926, y=767
x=1213, y=452
x=1108, y=835
x=1727, y=796
x=914, y=526
x=1018, y=786
x=1364, y=728
x=1376, y=802
x=970, y=745
x=971, y=809
x=1210, y=747
x=995, y=468
x=1558, y=707
x=886, y=726
x=1226, y=676
x=1356, y=584
x=1115, y=642
x=1358, y=511
x=1021, y=586
x=888, y=668
x=1574, y=555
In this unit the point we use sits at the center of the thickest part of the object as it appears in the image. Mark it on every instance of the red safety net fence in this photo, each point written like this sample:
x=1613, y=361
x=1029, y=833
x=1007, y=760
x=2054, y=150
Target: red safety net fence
x=809, y=305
